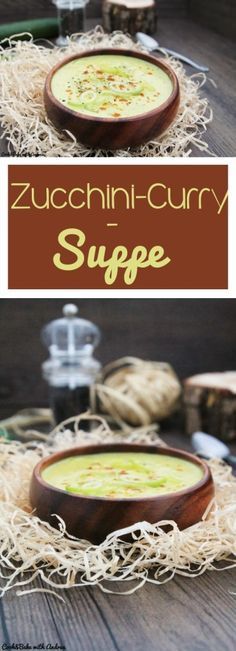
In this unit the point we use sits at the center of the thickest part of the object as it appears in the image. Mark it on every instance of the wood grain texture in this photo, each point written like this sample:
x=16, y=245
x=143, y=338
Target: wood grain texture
x=172, y=8
x=194, y=335
x=108, y=133
x=186, y=614
x=93, y=518
x=218, y=53
x=137, y=18
x=217, y=14
x=209, y=409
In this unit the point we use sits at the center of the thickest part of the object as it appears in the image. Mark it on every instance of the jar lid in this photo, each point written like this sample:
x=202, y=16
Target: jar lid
x=70, y=335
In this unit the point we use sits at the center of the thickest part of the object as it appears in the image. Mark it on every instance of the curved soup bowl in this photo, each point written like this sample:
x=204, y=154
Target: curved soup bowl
x=107, y=132
x=93, y=518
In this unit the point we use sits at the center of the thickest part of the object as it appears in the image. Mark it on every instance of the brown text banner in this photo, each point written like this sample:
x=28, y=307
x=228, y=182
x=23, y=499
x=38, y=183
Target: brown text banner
x=118, y=226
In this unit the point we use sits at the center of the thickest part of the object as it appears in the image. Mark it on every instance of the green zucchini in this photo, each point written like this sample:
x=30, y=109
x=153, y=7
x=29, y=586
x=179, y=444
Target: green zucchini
x=39, y=28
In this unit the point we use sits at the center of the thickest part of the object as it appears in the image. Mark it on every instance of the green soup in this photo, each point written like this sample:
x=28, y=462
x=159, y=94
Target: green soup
x=111, y=85
x=122, y=474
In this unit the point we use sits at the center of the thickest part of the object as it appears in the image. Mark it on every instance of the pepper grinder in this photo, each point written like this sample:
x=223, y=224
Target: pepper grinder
x=71, y=18
x=71, y=367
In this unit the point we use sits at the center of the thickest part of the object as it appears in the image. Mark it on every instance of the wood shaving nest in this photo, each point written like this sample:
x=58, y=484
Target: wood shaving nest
x=23, y=69
x=30, y=548
x=136, y=391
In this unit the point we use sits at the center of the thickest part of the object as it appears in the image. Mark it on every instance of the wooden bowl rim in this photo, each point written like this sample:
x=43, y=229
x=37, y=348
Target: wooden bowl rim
x=122, y=447
x=126, y=52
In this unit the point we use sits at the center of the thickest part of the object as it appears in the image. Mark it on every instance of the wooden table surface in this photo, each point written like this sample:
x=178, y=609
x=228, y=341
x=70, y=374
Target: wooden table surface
x=215, y=51
x=182, y=615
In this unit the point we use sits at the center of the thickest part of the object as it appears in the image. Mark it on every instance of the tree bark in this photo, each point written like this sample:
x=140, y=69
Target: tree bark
x=211, y=409
x=130, y=16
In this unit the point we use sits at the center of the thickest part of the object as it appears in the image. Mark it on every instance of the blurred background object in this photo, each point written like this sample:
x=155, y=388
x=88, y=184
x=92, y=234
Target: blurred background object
x=130, y=16
x=193, y=335
x=38, y=27
x=71, y=367
x=71, y=18
x=136, y=392
x=210, y=404
x=215, y=14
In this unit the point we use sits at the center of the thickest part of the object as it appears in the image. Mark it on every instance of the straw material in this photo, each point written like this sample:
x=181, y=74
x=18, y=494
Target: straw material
x=136, y=391
x=30, y=548
x=23, y=69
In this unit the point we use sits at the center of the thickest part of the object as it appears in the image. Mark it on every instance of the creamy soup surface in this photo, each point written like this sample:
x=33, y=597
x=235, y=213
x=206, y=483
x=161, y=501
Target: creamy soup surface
x=122, y=474
x=111, y=85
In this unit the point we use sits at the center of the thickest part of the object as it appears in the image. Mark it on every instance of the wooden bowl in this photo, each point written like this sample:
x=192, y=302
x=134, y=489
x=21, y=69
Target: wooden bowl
x=113, y=133
x=94, y=518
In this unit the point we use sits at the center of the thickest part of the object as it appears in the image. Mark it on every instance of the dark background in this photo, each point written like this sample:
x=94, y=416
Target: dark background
x=217, y=14
x=193, y=335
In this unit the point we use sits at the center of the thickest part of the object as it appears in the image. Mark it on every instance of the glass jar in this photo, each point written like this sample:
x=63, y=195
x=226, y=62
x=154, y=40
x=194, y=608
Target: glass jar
x=71, y=367
x=71, y=18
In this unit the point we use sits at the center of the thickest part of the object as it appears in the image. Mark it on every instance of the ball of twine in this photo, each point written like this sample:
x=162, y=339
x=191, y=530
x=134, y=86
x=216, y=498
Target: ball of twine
x=136, y=391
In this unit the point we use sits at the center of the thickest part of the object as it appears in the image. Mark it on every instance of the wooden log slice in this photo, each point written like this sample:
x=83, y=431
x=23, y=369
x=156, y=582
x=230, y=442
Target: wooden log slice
x=130, y=16
x=210, y=404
